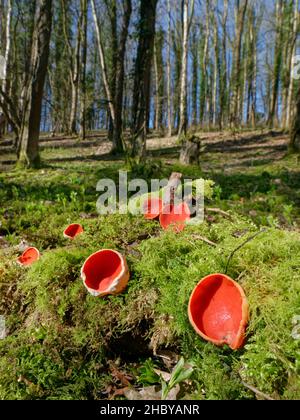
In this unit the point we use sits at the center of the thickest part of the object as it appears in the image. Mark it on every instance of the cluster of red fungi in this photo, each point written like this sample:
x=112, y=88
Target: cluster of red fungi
x=169, y=215
x=218, y=308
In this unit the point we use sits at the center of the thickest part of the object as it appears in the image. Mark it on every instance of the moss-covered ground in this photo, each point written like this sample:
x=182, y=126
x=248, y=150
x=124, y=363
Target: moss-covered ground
x=65, y=344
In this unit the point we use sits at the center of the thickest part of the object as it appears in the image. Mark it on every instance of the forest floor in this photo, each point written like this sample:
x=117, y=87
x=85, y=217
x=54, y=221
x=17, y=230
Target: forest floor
x=63, y=344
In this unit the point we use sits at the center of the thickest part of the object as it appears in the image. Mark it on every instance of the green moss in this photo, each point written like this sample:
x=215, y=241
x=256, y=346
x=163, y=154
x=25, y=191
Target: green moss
x=62, y=329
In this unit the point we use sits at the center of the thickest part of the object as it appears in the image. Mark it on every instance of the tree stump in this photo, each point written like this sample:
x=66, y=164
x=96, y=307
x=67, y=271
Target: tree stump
x=190, y=152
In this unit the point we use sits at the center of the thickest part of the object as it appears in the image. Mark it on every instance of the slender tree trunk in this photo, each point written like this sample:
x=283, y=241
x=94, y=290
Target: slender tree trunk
x=244, y=102
x=5, y=85
x=8, y=44
x=253, y=87
x=120, y=76
x=2, y=24
x=295, y=127
x=183, y=89
x=84, y=10
x=277, y=63
x=74, y=66
x=159, y=79
x=195, y=78
x=217, y=71
x=142, y=77
x=204, y=63
x=292, y=54
x=224, y=73
x=30, y=130
x=8, y=103
x=103, y=63
x=169, y=72
x=240, y=23
x=157, y=98
x=111, y=6
x=177, y=45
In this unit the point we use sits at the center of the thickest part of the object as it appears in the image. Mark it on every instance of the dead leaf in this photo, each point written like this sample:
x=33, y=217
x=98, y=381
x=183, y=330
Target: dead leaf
x=146, y=394
x=120, y=376
x=120, y=392
x=151, y=393
x=165, y=375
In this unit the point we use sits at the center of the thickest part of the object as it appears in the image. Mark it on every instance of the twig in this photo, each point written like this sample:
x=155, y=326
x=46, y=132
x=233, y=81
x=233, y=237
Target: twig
x=257, y=392
x=219, y=211
x=241, y=246
x=203, y=239
x=172, y=186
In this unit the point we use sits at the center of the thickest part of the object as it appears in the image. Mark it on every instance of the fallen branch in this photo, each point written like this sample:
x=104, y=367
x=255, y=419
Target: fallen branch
x=203, y=239
x=257, y=392
x=219, y=211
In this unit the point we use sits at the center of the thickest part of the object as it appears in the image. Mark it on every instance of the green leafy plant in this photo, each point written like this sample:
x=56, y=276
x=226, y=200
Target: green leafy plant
x=147, y=375
x=180, y=374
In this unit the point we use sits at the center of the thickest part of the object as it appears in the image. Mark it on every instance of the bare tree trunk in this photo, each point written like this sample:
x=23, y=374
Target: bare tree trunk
x=142, y=77
x=245, y=98
x=240, y=21
x=253, y=87
x=217, y=72
x=74, y=69
x=183, y=89
x=223, y=79
x=111, y=6
x=9, y=98
x=103, y=63
x=292, y=54
x=278, y=63
x=177, y=46
x=295, y=127
x=120, y=75
x=204, y=74
x=75, y=86
x=159, y=79
x=84, y=11
x=169, y=72
x=30, y=129
x=8, y=44
x=157, y=98
x=2, y=24
x=195, y=77
x=5, y=85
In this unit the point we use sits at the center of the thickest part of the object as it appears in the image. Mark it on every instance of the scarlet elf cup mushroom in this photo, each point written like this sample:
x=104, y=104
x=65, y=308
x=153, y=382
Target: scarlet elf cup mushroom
x=219, y=312
x=152, y=208
x=105, y=273
x=30, y=256
x=175, y=216
x=72, y=231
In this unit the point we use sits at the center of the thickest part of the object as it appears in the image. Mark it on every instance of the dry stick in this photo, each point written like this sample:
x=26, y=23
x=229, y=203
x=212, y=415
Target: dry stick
x=241, y=246
x=171, y=188
x=203, y=239
x=257, y=392
x=219, y=211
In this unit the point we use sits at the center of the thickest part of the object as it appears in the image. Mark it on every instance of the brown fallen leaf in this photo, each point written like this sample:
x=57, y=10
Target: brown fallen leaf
x=120, y=392
x=119, y=375
x=165, y=375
